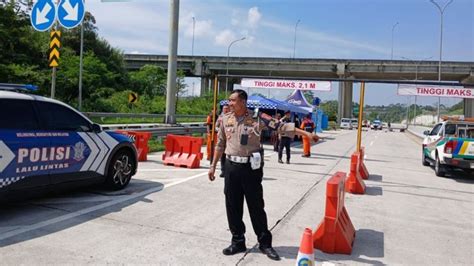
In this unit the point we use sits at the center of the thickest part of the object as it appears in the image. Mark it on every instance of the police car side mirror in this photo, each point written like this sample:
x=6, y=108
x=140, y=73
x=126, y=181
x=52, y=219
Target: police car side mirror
x=426, y=132
x=96, y=128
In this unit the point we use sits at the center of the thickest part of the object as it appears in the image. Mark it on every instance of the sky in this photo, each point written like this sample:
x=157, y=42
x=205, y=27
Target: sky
x=336, y=29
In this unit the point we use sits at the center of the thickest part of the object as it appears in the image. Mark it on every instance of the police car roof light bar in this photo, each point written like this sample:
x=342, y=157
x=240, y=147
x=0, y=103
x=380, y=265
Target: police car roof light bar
x=16, y=87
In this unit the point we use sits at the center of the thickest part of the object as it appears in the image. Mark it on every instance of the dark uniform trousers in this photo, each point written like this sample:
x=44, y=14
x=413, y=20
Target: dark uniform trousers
x=241, y=181
x=223, y=162
x=284, y=143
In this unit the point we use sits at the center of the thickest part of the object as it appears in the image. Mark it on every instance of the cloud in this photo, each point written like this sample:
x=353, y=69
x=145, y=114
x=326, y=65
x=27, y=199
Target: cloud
x=254, y=17
x=202, y=28
x=225, y=37
x=333, y=42
x=235, y=18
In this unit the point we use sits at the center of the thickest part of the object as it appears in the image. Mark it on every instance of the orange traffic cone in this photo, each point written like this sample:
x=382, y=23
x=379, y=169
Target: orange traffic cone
x=306, y=252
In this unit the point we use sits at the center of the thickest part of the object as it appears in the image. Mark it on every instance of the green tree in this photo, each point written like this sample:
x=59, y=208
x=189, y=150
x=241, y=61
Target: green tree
x=330, y=109
x=19, y=43
x=150, y=80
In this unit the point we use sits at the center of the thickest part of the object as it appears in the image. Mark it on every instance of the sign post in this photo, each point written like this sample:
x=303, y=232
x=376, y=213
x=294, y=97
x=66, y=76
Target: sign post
x=69, y=13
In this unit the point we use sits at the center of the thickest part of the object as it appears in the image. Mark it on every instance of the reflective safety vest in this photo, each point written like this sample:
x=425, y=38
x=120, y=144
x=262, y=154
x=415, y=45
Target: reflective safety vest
x=308, y=125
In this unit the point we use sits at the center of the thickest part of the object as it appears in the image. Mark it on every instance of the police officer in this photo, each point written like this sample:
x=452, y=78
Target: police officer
x=285, y=140
x=239, y=138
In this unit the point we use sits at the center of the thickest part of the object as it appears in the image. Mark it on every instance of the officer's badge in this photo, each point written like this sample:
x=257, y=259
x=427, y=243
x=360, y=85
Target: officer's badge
x=79, y=149
x=231, y=121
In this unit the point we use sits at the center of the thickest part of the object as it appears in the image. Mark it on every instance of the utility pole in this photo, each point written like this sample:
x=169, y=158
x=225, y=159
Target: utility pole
x=170, y=117
x=294, y=40
x=80, y=66
x=441, y=13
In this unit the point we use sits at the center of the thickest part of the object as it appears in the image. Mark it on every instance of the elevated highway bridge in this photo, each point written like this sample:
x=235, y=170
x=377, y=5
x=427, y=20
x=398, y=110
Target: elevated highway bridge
x=206, y=67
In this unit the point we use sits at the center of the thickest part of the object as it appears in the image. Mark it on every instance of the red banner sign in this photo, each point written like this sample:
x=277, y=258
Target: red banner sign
x=420, y=90
x=286, y=84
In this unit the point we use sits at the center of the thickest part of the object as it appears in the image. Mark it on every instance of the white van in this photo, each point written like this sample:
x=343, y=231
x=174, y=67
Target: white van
x=346, y=123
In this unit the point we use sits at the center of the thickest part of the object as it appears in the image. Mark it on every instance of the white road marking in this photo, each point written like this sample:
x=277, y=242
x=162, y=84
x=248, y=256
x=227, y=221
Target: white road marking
x=371, y=143
x=68, y=216
x=169, y=170
x=328, y=264
x=184, y=180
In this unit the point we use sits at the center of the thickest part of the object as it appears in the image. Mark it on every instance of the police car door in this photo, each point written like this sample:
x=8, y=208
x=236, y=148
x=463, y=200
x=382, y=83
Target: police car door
x=69, y=151
x=21, y=165
x=433, y=139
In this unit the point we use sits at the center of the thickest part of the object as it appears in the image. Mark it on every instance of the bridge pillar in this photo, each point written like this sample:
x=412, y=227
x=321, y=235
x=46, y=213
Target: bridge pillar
x=468, y=107
x=204, y=85
x=345, y=100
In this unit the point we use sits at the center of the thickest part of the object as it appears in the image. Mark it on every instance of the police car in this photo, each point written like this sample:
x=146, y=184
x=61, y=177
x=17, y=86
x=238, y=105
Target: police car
x=450, y=144
x=46, y=144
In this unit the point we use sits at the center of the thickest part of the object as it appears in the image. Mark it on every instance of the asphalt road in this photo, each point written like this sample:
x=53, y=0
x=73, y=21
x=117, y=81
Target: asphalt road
x=171, y=215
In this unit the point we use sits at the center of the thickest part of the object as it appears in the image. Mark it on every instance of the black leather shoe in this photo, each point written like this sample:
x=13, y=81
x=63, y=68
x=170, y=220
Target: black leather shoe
x=270, y=252
x=233, y=249
x=287, y=162
x=221, y=175
x=280, y=161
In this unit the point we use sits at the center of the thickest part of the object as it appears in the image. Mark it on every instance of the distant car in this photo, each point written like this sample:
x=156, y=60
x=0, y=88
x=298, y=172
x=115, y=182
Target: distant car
x=45, y=144
x=450, y=144
x=365, y=123
x=346, y=123
x=376, y=125
x=355, y=123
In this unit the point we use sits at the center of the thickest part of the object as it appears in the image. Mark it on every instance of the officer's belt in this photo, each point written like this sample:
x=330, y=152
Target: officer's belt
x=238, y=159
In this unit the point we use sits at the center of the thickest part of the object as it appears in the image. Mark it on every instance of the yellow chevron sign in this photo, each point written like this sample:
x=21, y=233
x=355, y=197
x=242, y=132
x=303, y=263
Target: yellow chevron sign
x=132, y=97
x=54, y=45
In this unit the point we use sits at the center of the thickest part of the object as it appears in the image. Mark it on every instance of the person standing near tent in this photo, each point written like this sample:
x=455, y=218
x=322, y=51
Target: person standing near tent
x=275, y=136
x=297, y=122
x=285, y=140
x=308, y=126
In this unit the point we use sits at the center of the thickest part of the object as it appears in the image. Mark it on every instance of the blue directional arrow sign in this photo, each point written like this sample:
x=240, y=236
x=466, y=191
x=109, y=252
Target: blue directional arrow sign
x=43, y=15
x=71, y=13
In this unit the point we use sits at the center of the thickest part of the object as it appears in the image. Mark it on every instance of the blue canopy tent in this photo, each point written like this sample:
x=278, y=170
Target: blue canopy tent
x=297, y=99
x=261, y=102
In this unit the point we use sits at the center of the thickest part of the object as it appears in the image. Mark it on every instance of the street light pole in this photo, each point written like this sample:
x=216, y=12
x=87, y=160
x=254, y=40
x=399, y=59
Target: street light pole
x=192, y=46
x=441, y=13
x=294, y=40
x=227, y=64
x=393, y=28
x=417, y=63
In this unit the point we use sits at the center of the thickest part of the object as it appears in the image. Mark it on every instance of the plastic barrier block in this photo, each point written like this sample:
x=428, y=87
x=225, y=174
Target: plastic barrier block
x=182, y=151
x=354, y=182
x=364, y=173
x=335, y=234
x=140, y=140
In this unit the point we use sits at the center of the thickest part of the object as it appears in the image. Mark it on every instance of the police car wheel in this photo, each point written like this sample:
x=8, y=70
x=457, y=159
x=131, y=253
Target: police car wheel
x=439, y=169
x=120, y=171
x=423, y=158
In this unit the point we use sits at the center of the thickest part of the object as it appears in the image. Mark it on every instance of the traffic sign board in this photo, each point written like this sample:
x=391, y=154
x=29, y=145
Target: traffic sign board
x=43, y=15
x=355, y=110
x=132, y=97
x=71, y=13
x=54, y=45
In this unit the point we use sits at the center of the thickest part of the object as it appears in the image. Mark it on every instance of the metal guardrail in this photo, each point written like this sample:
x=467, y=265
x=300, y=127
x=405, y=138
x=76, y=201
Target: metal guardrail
x=130, y=115
x=161, y=130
